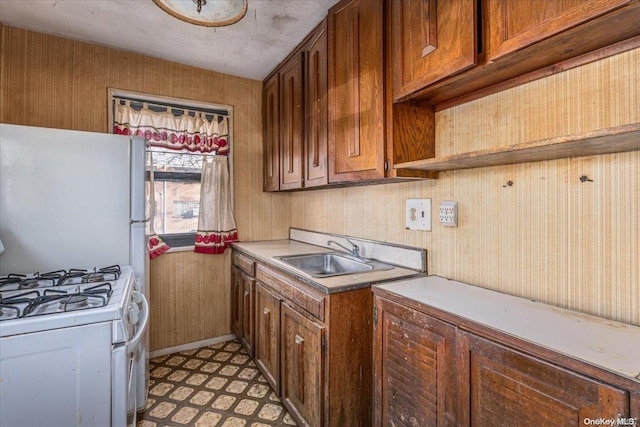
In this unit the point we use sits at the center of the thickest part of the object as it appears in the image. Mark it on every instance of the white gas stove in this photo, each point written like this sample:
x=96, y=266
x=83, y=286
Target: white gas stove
x=67, y=341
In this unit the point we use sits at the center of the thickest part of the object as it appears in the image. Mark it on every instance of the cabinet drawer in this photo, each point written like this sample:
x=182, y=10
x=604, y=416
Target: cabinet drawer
x=293, y=289
x=244, y=263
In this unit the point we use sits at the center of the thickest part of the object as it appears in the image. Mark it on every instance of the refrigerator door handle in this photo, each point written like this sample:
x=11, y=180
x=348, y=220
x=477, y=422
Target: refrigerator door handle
x=138, y=221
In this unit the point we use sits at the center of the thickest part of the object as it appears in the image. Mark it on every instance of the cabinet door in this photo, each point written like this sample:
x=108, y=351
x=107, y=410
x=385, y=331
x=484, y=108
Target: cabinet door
x=248, y=323
x=267, y=344
x=291, y=124
x=316, y=109
x=513, y=25
x=509, y=388
x=271, y=117
x=302, y=353
x=356, y=98
x=414, y=368
x=431, y=39
x=237, y=288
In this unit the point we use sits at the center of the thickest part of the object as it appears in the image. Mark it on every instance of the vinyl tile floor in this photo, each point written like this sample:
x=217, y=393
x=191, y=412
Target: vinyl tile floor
x=218, y=385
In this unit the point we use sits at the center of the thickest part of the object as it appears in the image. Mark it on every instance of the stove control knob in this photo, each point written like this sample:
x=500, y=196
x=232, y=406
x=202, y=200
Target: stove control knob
x=136, y=297
x=133, y=314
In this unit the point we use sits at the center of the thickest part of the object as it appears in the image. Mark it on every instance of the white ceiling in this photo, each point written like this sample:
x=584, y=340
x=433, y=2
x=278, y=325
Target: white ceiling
x=249, y=48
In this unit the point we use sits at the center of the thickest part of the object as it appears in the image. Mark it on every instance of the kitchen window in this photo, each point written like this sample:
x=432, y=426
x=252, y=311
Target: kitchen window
x=177, y=163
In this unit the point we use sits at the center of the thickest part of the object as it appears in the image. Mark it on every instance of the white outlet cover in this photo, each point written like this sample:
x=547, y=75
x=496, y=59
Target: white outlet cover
x=449, y=213
x=418, y=214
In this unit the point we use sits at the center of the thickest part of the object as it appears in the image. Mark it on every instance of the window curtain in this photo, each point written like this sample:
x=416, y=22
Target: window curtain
x=216, y=225
x=198, y=132
x=156, y=245
x=173, y=129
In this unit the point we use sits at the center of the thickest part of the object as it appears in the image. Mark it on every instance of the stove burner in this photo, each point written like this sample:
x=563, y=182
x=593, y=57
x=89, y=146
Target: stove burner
x=11, y=279
x=10, y=304
x=30, y=283
x=74, y=302
x=93, y=277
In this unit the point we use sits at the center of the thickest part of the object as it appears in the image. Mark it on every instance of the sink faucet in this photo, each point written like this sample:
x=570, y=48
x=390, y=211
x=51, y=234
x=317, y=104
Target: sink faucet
x=355, y=250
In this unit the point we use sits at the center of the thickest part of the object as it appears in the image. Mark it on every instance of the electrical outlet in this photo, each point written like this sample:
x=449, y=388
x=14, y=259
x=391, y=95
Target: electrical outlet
x=449, y=213
x=418, y=214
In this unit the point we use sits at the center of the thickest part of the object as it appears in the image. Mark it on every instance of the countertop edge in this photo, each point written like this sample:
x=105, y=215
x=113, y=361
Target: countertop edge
x=630, y=375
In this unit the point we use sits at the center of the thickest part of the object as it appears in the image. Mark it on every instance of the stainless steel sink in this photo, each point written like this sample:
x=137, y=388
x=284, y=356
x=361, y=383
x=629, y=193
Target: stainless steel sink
x=332, y=264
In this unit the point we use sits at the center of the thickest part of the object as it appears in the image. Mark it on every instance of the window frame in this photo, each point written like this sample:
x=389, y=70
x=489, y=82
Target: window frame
x=178, y=241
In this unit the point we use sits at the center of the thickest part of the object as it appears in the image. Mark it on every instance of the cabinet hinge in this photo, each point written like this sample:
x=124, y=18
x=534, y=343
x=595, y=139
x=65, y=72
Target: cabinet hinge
x=386, y=165
x=375, y=314
x=323, y=343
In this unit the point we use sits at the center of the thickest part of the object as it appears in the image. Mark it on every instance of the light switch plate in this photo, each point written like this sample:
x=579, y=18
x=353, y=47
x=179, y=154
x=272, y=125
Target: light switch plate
x=418, y=214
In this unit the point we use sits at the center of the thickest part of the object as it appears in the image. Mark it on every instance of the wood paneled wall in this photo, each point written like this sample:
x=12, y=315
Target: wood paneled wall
x=54, y=82
x=548, y=237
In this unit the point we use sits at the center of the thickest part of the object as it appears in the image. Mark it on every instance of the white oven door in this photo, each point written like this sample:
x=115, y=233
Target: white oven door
x=57, y=378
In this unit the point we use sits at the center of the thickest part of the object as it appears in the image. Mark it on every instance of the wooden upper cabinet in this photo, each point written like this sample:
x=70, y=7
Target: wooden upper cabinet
x=356, y=97
x=514, y=25
x=506, y=387
x=431, y=39
x=291, y=123
x=271, y=135
x=315, y=94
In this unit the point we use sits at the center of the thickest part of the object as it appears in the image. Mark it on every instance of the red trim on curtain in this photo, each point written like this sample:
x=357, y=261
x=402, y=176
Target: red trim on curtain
x=156, y=246
x=214, y=242
x=176, y=140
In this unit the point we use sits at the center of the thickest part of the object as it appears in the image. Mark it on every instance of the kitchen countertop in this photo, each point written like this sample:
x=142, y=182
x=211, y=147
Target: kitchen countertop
x=265, y=251
x=610, y=345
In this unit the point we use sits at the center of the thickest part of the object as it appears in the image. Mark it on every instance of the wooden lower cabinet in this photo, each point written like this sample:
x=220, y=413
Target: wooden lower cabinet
x=431, y=372
x=414, y=368
x=508, y=388
x=237, y=288
x=303, y=357
x=247, y=338
x=267, y=342
x=315, y=349
x=243, y=299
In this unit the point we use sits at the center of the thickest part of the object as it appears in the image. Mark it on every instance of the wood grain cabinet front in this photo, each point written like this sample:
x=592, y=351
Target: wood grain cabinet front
x=291, y=123
x=243, y=299
x=248, y=319
x=267, y=343
x=507, y=387
x=514, y=41
x=315, y=348
x=431, y=370
x=271, y=133
x=432, y=40
x=237, y=288
x=414, y=364
x=295, y=117
x=303, y=361
x=512, y=25
x=356, y=96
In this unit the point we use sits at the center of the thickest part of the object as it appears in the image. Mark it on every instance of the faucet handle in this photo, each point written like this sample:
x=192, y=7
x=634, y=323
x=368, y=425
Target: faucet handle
x=355, y=250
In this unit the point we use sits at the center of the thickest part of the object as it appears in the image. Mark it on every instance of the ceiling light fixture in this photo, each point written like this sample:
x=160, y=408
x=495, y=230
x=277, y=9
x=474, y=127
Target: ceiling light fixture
x=208, y=13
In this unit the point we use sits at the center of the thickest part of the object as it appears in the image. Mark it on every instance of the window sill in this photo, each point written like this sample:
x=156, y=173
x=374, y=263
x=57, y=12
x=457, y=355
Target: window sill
x=180, y=249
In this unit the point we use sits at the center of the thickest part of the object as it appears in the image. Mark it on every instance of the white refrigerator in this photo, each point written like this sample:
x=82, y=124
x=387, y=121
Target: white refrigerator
x=72, y=199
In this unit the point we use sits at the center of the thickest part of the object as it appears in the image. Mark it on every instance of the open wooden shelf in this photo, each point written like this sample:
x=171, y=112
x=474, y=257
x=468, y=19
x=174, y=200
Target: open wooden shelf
x=603, y=141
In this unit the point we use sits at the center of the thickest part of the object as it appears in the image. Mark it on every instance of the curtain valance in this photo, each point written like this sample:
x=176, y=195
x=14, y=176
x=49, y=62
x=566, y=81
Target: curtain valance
x=192, y=130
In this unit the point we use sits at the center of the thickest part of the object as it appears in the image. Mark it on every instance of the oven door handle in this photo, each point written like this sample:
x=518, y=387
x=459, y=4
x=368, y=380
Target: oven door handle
x=142, y=326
